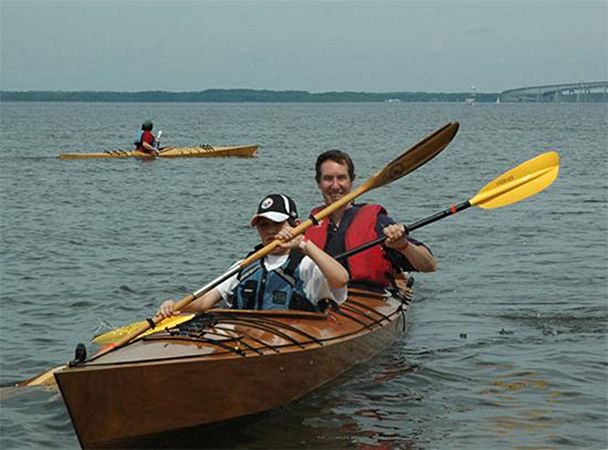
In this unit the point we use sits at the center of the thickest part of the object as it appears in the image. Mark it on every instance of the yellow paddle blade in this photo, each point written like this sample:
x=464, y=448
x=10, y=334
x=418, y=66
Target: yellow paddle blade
x=519, y=183
x=113, y=336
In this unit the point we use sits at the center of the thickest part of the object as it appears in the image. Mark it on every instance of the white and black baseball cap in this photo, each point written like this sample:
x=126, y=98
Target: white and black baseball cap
x=276, y=207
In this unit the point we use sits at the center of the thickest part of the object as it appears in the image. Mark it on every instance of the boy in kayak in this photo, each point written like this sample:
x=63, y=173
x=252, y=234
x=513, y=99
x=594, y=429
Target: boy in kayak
x=296, y=275
x=146, y=141
x=357, y=224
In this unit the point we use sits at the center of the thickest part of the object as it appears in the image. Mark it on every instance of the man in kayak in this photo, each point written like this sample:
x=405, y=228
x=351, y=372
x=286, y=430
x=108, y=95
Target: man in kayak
x=296, y=275
x=356, y=224
x=145, y=141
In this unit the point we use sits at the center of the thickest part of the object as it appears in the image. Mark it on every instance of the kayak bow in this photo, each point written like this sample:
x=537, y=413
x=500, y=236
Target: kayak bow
x=222, y=365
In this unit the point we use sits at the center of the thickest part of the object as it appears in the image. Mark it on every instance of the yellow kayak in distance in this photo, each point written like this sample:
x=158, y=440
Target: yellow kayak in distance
x=201, y=151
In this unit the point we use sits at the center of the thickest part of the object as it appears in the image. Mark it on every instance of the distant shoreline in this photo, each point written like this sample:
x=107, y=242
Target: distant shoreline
x=240, y=96
x=268, y=96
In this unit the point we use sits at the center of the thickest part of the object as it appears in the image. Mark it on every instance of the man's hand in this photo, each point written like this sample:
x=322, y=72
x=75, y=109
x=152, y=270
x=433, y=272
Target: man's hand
x=396, y=237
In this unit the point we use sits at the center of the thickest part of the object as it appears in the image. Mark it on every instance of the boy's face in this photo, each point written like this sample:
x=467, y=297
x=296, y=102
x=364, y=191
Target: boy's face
x=268, y=230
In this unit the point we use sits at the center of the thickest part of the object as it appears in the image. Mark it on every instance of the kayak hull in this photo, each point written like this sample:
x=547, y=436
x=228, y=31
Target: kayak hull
x=240, y=151
x=255, y=361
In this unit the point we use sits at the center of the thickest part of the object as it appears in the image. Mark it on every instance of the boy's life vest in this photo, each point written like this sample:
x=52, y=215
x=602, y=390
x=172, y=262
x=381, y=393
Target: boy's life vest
x=358, y=227
x=280, y=288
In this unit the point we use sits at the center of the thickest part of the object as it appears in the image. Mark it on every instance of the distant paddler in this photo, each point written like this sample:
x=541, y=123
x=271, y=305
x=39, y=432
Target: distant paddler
x=145, y=141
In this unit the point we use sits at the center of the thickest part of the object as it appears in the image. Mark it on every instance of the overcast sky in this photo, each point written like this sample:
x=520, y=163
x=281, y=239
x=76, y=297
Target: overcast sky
x=318, y=46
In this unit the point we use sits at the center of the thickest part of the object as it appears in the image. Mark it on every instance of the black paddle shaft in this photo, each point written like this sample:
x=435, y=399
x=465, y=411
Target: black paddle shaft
x=421, y=223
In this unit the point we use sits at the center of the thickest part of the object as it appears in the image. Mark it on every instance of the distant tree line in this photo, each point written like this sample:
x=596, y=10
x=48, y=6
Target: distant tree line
x=238, y=96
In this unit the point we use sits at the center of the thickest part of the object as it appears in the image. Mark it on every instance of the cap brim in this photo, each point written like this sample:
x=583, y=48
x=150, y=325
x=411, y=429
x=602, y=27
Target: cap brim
x=274, y=216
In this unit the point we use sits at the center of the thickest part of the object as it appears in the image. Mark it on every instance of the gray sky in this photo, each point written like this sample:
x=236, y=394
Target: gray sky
x=319, y=46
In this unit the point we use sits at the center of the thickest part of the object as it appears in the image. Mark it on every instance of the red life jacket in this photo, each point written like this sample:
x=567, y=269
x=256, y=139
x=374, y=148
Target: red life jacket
x=146, y=136
x=370, y=265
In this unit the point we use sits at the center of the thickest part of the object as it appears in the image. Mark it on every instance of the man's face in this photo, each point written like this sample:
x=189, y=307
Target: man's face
x=335, y=181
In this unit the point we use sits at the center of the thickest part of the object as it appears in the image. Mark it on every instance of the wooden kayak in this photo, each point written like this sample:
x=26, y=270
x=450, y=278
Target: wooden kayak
x=221, y=365
x=202, y=151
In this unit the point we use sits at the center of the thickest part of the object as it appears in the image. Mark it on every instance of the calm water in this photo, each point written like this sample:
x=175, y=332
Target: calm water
x=506, y=346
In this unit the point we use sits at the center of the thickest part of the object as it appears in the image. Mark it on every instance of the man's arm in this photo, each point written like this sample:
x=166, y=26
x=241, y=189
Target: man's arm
x=409, y=253
x=418, y=255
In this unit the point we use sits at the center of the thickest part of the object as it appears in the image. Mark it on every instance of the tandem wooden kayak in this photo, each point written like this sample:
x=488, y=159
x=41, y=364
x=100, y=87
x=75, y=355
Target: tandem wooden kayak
x=221, y=365
x=202, y=151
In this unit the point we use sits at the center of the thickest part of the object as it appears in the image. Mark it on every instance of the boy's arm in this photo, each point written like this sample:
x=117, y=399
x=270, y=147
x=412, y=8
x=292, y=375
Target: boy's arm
x=334, y=272
x=203, y=303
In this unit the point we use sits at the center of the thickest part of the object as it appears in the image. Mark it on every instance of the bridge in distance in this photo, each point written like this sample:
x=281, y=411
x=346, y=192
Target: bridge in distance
x=594, y=91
